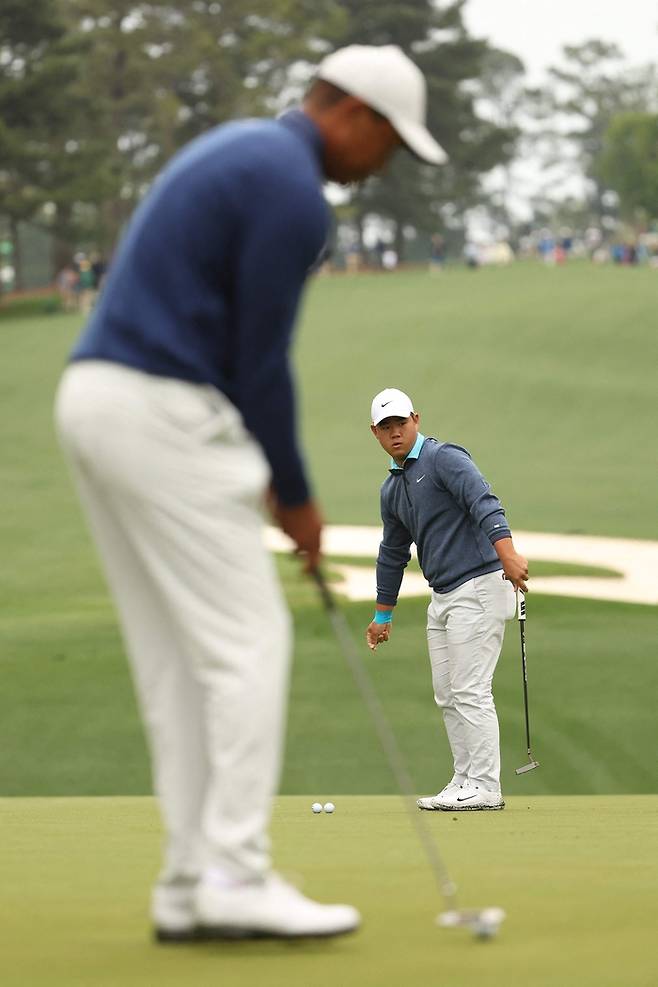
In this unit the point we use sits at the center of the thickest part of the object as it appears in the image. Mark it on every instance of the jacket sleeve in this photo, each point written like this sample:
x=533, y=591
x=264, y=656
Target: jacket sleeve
x=280, y=239
x=459, y=474
x=392, y=557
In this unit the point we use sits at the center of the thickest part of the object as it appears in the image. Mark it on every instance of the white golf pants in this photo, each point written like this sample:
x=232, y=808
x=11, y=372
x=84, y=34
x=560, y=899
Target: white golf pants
x=173, y=488
x=465, y=630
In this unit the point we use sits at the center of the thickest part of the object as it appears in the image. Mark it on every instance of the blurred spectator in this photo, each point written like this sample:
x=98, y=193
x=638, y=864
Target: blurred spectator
x=66, y=282
x=437, y=253
x=86, y=287
x=99, y=268
x=471, y=255
x=617, y=253
x=546, y=247
x=353, y=258
x=380, y=250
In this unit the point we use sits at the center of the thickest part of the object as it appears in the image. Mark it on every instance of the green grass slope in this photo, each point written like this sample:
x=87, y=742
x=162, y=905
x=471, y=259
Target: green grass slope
x=68, y=723
x=547, y=375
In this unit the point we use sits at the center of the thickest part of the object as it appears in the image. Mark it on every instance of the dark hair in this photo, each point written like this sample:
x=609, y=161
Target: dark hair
x=322, y=94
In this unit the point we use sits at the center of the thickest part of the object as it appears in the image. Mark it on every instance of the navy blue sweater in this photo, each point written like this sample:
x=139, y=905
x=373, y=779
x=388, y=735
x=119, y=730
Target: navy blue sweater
x=441, y=502
x=207, y=280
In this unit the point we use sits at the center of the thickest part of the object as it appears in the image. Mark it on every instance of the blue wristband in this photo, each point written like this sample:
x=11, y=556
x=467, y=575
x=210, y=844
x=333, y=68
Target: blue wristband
x=383, y=616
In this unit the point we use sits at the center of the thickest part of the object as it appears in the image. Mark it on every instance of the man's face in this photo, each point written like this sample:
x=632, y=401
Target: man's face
x=359, y=145
x=397, y=435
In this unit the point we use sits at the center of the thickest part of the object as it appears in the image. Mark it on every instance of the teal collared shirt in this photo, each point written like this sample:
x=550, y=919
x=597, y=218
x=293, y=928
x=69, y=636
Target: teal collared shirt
x=414, y=454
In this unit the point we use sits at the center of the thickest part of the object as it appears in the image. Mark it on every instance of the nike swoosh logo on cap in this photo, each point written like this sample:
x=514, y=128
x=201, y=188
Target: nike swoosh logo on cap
x=384, y=403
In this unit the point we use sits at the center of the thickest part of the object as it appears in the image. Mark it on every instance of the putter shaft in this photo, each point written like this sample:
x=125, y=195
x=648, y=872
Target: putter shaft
x=482, y=920
x=521, y=611
x=387, y=739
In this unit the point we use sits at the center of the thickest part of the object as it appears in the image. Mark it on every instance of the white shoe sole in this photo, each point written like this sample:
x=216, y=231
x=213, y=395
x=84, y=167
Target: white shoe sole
x=426, y=803
x=472, y=808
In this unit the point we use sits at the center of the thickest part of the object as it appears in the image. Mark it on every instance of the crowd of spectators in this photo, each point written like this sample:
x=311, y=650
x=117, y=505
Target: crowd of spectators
x=79, y=282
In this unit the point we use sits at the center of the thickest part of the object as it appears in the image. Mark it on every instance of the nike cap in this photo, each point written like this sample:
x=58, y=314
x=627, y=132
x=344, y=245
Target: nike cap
x=389, y=82
x=391, y=403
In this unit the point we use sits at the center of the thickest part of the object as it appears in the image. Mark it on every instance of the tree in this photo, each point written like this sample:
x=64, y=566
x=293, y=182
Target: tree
x=100, y=93
x=576, y=108
x=628, y=163
x=36, y=69
x=500, y=95
x=412, y=194
x=163, y=72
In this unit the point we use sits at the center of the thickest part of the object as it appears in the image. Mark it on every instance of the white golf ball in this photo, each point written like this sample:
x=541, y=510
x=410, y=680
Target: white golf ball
x=329, y=806
x=316, y=807
x=488, y=922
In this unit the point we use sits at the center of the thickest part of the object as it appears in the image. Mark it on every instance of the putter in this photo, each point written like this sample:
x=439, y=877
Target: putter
x=522, y=617
x=484, y=922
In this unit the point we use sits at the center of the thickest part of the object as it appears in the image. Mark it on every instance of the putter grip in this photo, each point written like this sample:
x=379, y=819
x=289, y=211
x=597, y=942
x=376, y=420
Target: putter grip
x=520, y=604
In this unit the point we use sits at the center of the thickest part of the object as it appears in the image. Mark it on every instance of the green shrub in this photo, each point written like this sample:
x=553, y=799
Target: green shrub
x=13, y=307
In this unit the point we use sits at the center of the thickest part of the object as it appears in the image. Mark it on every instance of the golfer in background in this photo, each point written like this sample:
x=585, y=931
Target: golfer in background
x=177, y=416
x=436, y=497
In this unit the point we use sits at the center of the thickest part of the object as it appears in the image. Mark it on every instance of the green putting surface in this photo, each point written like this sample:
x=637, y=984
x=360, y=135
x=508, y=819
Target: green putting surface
x=576, y=875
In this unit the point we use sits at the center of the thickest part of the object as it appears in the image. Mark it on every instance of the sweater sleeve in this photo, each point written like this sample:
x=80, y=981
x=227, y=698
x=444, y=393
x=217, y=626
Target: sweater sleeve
x=392, y=557
x=283, y=232
x=459, y=474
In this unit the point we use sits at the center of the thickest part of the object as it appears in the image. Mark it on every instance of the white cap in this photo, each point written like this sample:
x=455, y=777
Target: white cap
x=389, y=82
x=390, y=403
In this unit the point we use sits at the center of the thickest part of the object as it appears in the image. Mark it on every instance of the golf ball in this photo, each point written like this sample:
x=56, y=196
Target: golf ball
x=488, y=922
x=316, y=807
x=329, y=806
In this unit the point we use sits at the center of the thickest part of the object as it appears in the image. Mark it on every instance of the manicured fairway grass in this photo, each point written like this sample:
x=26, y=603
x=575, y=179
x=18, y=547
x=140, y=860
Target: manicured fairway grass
x=548, y=376
x=576, y=875
x=68, y=723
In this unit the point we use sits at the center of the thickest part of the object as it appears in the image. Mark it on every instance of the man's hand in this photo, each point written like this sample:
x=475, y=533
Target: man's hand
x=303, y=524
x=377, y=634
x=516, y=570
x=515, y=566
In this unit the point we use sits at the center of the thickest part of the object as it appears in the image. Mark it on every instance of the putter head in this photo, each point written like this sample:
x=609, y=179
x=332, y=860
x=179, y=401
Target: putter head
x=527, y=767
x=484, y=922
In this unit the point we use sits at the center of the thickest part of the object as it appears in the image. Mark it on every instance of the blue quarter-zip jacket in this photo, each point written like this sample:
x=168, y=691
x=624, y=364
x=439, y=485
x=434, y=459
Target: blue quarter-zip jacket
x=440, y=501
x=207, y=280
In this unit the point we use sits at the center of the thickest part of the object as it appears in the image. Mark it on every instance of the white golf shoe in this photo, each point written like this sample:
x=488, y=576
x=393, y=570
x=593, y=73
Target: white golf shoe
x=267, y=909
x=445, y=796
x=470, y=797
x=173, y=912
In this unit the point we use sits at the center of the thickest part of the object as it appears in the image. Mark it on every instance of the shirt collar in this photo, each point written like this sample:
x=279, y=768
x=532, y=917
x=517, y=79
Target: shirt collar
x=413, y=454
x=301, y=124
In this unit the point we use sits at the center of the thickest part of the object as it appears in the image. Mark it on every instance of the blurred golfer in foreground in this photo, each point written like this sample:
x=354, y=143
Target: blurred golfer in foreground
x=177, y=416
x=436, y=497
